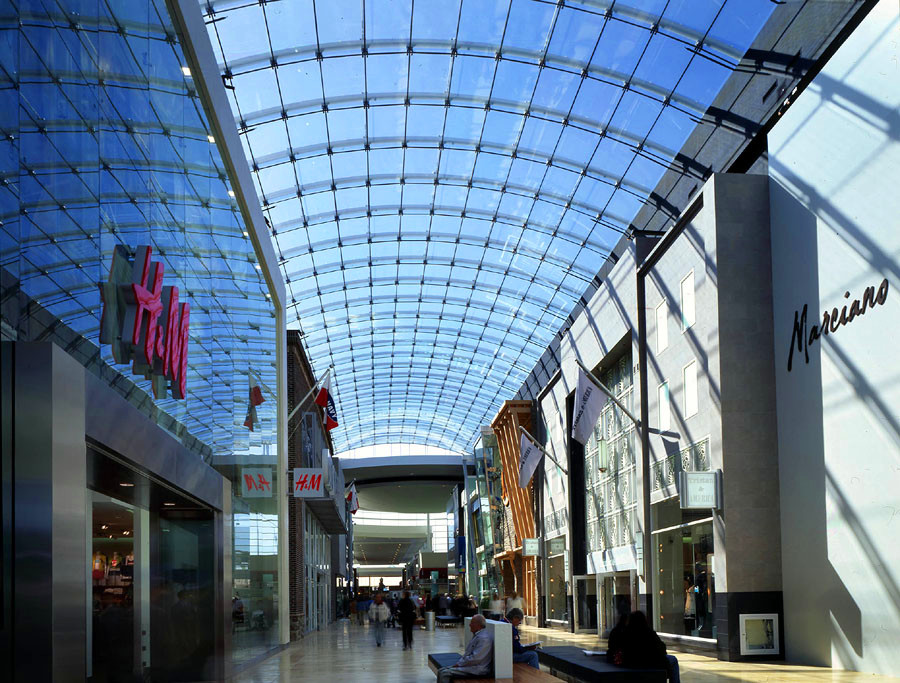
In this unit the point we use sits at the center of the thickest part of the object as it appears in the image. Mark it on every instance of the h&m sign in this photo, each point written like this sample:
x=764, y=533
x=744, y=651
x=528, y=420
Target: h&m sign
x=308, y=482
x=144, y=322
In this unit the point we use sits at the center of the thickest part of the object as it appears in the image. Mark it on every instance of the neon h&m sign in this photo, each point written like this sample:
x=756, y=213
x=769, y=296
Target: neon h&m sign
x=144, y=322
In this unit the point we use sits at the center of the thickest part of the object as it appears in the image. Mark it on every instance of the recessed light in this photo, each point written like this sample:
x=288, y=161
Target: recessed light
x=126, y=484
x=104, y=527
x=169, y=505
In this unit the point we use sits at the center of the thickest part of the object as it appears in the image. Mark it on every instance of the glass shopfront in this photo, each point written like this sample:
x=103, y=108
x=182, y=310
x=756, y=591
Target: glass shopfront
x=556, y=582
x=684, y=566
x=150, y=572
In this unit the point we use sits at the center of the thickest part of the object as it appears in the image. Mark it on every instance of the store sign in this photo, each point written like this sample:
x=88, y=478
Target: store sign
x=803, y=336
x=531, y=547
x=144, y=323
x=701, y=490
x=256, y=482
x=308, y=482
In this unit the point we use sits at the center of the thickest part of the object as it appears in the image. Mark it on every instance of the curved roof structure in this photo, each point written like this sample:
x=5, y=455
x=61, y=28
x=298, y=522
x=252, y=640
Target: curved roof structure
x=443, y=180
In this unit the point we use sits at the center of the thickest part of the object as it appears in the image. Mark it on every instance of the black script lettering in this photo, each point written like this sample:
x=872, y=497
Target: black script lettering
x=868, y=300
x=797, y=334
x=882, y=292
x=832, y=320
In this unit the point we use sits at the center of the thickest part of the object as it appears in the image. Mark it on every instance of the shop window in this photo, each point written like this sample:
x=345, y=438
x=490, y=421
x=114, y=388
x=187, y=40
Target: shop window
x=688, y=312
x=662, y=326
x=690, y=390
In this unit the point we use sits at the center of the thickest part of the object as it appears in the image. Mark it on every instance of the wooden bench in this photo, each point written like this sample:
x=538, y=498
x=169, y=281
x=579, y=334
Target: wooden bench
x=571, y=664
x=522, y=673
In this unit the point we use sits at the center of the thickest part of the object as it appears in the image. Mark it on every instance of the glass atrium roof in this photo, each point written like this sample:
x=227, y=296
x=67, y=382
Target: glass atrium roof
x=443, y=179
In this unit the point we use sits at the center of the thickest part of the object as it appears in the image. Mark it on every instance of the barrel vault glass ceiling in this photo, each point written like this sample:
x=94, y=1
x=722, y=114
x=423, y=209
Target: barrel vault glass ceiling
x=443, y=179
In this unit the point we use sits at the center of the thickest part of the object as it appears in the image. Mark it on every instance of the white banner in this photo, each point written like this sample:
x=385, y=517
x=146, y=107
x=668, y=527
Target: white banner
x=589, y=402
x=529, y=457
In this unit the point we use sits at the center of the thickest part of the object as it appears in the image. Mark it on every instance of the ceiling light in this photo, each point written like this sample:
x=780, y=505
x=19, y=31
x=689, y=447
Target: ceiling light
x=231, y=193
x=104, y=527
x=126, y=484
x=169, y=505
x=186, y=70
x=246, y=234
x=211, y=139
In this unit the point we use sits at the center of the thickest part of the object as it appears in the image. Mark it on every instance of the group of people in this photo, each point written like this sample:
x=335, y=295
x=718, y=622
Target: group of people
x=384, y=612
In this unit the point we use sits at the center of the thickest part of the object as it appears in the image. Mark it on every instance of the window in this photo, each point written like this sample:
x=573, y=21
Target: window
x=688, y=313
x=665, y=412
x=662, y=326
x=690, y=389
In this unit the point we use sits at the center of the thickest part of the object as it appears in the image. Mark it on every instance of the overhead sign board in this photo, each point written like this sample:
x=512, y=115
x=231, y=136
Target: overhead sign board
x=531, y=547
x=256, y=482
x=308, y=482
x=701, y=490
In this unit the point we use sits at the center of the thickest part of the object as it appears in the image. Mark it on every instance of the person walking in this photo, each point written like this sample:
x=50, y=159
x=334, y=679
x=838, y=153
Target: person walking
x=497, y=607
x=515, y=602
x=379, y=614
x=478, y=659
x=406, y=613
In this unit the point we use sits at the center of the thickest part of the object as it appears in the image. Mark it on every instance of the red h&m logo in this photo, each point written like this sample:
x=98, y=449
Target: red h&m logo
x=308, y=482
x=144, y=322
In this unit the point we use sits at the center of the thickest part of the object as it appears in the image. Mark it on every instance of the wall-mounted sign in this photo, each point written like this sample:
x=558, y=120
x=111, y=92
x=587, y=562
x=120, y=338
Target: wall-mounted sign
x=256, y=482
x=531, y=547
x=802, y=336
x=308, y=482
x=143, y=321
x=701, y=490
x=759, y=634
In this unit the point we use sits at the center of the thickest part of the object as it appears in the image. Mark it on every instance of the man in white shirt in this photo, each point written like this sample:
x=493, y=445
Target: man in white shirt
x=478, y=659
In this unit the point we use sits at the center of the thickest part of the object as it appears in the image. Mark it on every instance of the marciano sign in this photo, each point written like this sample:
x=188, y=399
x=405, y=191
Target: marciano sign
x=144, y=322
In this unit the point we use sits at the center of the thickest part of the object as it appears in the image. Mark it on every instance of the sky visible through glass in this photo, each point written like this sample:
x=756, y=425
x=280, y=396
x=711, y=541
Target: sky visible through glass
x=444, y=179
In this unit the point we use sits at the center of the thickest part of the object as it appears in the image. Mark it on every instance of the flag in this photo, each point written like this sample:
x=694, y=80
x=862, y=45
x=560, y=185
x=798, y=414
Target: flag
x=589, y=402
x=255, y=398
x=326, y=400
x=353, y=499
x=529, y=457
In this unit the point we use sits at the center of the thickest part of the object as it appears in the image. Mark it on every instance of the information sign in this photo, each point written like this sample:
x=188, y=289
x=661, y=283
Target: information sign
x=531, y=547
x=701, y=490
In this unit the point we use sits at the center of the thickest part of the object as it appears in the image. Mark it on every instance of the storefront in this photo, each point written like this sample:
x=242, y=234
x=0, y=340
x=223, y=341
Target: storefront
x=556, y=582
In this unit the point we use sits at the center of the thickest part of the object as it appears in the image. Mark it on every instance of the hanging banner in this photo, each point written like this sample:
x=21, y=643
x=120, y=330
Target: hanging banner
x=256, y=482
x=308, y=482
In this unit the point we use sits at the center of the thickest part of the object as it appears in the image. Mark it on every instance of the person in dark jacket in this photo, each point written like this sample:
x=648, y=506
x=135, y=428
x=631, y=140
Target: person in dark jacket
x=406, y=614
x=641, y=648
x=616, y=642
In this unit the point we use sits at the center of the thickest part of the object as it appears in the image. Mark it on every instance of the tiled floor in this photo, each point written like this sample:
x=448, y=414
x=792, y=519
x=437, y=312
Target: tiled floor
x=346, y=653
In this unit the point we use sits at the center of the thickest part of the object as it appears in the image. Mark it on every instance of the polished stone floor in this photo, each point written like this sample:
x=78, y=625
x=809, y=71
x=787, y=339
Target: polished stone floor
x=346, y=653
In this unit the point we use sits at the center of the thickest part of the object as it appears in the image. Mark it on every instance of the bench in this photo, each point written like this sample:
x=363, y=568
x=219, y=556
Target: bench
x=522, y=673
x=573, y=665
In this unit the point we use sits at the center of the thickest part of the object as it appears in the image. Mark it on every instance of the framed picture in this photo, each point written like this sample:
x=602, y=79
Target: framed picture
x=759, y=634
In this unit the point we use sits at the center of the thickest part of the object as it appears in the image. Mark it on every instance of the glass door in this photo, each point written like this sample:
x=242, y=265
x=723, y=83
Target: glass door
x=586, y=611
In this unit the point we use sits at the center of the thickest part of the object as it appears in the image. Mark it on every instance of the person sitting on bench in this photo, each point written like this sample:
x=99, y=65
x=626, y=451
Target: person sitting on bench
x=478, y=659
x=523, y=654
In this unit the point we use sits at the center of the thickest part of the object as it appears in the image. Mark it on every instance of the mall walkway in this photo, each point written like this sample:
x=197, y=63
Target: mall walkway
x=346, y=653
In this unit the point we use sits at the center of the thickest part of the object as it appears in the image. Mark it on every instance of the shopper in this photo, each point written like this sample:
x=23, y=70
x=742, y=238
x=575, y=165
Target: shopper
x=524, y=654
x=362, y=610
x=406, y=614
x=497, y=607
x=641, y=648
x=478, y=659
x=379, y=614
x=515, y=602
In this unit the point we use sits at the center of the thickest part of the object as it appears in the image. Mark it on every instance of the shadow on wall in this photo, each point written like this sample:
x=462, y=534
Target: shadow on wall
x=816, y=601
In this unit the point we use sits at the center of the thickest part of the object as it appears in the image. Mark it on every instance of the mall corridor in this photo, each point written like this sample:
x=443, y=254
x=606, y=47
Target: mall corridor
x=345, y=652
